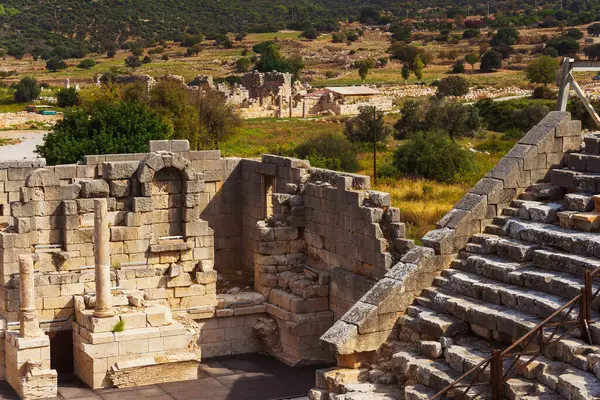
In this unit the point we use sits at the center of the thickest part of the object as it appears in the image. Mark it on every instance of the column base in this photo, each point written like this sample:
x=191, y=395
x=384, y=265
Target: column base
x=104, y=313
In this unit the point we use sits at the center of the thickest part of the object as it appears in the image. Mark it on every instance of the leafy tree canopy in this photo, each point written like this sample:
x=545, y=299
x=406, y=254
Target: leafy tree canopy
x=542, y=70
x=111, y=128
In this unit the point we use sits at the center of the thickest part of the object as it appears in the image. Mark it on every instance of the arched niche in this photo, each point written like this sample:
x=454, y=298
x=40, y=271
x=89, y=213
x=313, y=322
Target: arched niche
x=169, y=180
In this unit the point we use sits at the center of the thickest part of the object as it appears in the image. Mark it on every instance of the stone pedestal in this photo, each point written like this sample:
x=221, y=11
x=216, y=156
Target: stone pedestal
x=150, y=348
x=27, y=353
x=28, y=366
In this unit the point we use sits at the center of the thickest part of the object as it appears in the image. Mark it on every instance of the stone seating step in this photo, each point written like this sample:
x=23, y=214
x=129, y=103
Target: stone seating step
x=537, y=211
x=576, y=180
x=464, y=358
x=591, y=144
x=515, y=250
x=532, y=302
x=543, y=191
x=568, y=240
x=418, y=392
x=435, y=375
x=583, y=162
x=432, y=322
x=496, y=230
x=527, y=275
x=510, y=211
x=491, y=319
x=581, y=202
x=564, y=378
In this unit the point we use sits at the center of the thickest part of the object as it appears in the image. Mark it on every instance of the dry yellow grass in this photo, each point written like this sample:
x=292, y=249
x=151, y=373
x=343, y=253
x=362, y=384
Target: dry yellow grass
x=421, y=202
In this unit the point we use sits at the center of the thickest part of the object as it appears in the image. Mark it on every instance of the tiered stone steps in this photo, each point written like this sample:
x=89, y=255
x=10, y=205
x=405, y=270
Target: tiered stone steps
x=529, y=262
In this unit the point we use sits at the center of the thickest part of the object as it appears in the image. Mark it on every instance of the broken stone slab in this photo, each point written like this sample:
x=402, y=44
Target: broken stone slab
x=42, y=177
x=94, y=188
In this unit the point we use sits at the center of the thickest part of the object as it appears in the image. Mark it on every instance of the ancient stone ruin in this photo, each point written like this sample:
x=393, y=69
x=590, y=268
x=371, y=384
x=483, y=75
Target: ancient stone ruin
x=274, y=95
x=127, y=269
x=500, y=300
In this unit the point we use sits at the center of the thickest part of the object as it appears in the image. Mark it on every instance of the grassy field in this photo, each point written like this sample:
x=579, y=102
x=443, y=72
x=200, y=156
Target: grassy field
x=422, y=202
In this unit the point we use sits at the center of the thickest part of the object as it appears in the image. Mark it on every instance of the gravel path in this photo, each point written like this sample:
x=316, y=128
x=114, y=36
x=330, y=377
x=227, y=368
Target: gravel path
x=24, y=150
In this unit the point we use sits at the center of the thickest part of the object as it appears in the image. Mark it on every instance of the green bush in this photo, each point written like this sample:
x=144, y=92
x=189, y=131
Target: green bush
x=67, y=97
x=453, y=86
x=26, y=90
x=112, y=128
x=88, y=63
x=119, y=326
x=501, y=116
x=433, y=155
x=332, y=151
x=457, y=119
x=543, y=93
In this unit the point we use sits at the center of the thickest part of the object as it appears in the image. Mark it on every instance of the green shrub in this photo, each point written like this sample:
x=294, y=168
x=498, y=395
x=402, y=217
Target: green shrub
x=501, y=116
x=453, y=86
x=387, y=170
x=456, y=119
x=26, y=90
x=88, y=63
x=332, y=151
x=458, y=68
x=543, y=93
x=67, y=97
x=433, y=155
x=119, y=326
x=111, y=128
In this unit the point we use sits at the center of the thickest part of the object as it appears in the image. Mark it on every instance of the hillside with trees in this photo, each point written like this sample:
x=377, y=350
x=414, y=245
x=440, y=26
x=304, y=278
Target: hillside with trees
x=72, y=29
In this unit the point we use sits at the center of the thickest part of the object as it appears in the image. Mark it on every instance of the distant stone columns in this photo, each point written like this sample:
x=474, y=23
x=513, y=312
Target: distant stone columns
x=28, y=317
x=102, y=253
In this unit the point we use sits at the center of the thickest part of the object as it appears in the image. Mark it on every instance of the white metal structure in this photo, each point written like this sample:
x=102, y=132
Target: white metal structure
x=567, y=81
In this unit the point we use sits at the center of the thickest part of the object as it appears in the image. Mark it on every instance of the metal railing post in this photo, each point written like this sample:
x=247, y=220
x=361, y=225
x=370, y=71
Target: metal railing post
x=496, y=375
x=588, y=295
x=583, y=314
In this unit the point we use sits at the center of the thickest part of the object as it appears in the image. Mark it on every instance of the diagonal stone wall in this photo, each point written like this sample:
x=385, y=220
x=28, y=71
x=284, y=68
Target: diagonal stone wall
x=373, y=319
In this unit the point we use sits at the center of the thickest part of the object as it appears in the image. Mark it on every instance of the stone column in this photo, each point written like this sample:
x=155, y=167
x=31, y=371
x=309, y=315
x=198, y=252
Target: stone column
x=28, y=317
x=102, y=254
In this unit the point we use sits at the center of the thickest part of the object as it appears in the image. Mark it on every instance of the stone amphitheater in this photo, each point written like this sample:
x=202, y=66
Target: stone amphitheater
x=133, y=269
x=501, y=299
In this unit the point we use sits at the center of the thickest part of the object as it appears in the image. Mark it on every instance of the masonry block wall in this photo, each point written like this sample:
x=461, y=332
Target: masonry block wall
x=373, y=319
x=227, y=242
x=317, y=241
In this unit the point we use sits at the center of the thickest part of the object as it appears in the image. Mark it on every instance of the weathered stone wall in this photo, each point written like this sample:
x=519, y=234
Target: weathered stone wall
x=10, y=183
x=351, y=232
x=54, y=217
x=228, y=335
x=372, y=320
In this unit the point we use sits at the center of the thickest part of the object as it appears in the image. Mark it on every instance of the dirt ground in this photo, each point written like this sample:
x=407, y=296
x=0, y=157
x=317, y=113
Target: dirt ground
x=29, y=139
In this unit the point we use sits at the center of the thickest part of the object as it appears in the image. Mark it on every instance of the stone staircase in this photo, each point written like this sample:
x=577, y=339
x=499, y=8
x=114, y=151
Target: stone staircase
x=529, y=262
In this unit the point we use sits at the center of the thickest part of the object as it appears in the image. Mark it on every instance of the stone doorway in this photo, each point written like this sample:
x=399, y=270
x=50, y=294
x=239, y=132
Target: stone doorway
x=61, y=351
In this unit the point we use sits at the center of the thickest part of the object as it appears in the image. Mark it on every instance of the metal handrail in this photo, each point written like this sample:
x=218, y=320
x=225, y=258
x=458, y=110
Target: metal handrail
x=498, y=377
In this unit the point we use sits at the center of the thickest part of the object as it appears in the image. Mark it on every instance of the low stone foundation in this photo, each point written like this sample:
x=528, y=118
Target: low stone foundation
x=28, y=366
x=152, y=370
x=150, y=333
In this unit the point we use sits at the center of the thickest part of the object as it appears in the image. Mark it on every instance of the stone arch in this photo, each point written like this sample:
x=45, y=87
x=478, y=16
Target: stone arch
x=41, y=177
x=164, y=159
x=171, y=183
